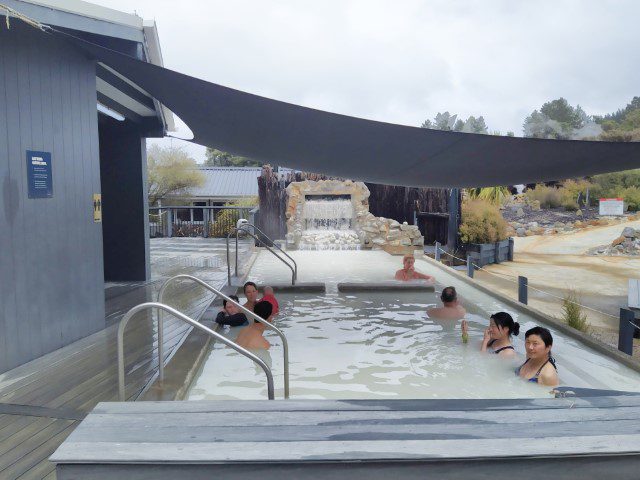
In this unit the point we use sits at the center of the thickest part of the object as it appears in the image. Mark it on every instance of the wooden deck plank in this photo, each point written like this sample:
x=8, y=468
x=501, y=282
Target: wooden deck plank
x=38, y=455
x=272, y=419
x=312, y=451
x=41, y=470
x=34, y=438
x=368, y=405
x=52, y=475
x=18, y=435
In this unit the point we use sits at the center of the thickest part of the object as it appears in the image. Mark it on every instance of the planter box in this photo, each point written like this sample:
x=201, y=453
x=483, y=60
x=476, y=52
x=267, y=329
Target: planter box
x=485, y=253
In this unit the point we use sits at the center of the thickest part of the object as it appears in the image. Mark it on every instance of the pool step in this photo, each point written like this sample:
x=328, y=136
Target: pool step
x=559, y=438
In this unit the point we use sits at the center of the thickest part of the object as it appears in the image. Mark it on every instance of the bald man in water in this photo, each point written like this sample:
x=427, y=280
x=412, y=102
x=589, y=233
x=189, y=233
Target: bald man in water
x=451, y=308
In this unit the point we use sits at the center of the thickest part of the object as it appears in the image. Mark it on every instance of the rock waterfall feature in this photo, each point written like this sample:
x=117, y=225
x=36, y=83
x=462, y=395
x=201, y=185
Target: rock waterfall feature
x=334, y=215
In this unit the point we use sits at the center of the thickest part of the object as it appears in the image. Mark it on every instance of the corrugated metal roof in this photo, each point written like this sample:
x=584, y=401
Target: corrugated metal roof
x=228, y=182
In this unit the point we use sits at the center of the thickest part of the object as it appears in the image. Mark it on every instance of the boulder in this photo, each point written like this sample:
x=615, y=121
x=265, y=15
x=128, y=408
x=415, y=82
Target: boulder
x=535, y=205
x=521, y=232
x=628, y=232
x=520, y=212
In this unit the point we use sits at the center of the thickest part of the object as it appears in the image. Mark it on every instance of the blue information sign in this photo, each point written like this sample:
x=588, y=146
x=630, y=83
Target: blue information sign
x=39, y=174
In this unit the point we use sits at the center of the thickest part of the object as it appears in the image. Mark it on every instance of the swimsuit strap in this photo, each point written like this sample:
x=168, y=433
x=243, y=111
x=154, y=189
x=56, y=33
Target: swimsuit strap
x=540, y=369
x=508, y=347
x=520, y=367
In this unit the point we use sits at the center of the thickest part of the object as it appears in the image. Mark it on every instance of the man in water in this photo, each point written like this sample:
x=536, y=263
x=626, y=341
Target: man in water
x=451, y=308
x=231, y=314
x=251, y=337
x=251, y=292
x=408, y=272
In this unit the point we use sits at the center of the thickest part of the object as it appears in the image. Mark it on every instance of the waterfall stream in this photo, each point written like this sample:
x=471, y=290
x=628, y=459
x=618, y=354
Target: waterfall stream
x=329, y=226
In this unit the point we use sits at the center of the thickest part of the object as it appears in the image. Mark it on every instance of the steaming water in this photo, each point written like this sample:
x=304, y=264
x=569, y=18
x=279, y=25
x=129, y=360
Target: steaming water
x=382, y=345
x=328, y=226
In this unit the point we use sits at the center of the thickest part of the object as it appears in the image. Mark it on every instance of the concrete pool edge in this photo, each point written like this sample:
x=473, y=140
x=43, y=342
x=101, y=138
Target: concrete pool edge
x=584, y=338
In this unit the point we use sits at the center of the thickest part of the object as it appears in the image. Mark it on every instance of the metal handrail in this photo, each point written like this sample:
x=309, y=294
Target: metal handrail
x=183, y=317
x=235, y=230
x=246, y=311
x=247, y=224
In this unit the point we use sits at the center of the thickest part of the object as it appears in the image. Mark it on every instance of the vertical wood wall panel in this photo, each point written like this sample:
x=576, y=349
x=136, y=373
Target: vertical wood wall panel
x=51, y=268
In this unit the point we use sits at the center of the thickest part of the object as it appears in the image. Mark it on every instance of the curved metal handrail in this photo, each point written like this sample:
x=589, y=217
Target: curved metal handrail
x=183, y=317
x=246, y=311
x=247, y=224
x=235, y=230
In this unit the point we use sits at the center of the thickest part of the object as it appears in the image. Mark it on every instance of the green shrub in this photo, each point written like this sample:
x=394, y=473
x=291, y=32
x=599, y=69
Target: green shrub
x=482, y=222
x=494, y=195
x=568, y=200
x=572, y=312
x=549, y=197
x=631, y=196
x=615, y=181
x=226, y=220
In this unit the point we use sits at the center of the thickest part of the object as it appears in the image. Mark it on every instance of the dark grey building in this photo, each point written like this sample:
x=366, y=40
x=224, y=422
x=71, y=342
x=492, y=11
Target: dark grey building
x=72, y=146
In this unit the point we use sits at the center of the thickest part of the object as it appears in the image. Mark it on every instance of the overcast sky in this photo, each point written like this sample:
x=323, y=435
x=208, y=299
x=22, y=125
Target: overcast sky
x=404, y=61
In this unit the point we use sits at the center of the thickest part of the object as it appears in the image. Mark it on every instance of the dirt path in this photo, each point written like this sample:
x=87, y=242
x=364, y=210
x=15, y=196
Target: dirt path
x=556, y=264
x=572, y=243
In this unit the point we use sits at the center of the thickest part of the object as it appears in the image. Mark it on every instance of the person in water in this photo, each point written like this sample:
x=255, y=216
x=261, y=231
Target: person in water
x=268, y=296
x=451, y=308
x=251, y=337
x=250, y=290
x=408, y=272
x=231, y=314
x=497, y=338
x=539, y=367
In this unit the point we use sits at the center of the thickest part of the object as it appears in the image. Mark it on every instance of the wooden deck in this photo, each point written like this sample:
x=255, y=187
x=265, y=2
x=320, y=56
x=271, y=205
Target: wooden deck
x=563, y=438
x=42, y=402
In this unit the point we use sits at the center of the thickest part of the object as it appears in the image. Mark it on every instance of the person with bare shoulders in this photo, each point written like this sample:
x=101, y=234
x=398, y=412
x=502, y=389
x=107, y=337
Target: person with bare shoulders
x=251, y=337
x=539, y=367
x=251, y=293
x=408, y=272
x=497, y=338
x=451, y=308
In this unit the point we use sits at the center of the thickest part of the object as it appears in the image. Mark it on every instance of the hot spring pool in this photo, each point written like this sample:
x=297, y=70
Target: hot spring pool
x=383, y=345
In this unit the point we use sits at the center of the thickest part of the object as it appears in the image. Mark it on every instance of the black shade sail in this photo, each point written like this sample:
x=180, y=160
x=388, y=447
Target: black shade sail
x=312, y=140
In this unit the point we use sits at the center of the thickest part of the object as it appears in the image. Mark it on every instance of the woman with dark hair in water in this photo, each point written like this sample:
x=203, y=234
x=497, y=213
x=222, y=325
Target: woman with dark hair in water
x=497, y=338
x=250, y=290
x=539, y=367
